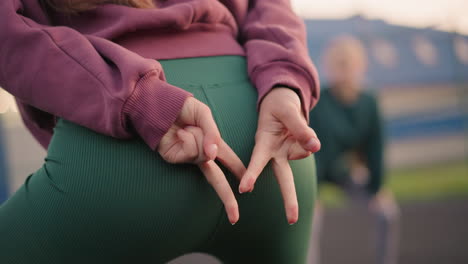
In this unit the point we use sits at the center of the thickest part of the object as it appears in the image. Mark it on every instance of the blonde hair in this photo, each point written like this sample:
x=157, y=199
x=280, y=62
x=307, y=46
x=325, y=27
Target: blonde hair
x=345, y=46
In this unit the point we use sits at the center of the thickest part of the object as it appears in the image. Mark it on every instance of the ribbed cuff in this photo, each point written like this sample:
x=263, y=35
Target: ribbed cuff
x=153, y=107
x=282, y=73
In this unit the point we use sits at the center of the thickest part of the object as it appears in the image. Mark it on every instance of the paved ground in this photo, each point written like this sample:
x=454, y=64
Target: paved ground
x=432, y=233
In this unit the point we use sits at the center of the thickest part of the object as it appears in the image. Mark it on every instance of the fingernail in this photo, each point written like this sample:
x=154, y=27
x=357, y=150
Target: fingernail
x=310, y=145
x=241, y=188
x=292, y=223
x=233, y=223
x=212, y=149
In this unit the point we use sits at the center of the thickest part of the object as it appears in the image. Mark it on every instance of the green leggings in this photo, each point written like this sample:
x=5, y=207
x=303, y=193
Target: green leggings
x=101, y=200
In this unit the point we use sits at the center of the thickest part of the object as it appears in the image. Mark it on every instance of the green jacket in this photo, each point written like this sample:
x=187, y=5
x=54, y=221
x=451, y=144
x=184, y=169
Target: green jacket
x=348, y=128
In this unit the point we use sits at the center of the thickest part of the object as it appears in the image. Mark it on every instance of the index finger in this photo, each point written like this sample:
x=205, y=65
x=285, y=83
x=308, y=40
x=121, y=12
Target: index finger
x=230, y=159
x=261, y=155
x=210, y=129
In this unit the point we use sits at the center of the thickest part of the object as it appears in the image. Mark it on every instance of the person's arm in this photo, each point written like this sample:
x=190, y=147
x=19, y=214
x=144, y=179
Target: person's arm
x=275, y=42
x=88, y=80
x=274, y=38
x=374, y=151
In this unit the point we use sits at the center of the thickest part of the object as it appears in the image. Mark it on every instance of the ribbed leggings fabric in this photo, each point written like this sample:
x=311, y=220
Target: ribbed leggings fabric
x=98, y=199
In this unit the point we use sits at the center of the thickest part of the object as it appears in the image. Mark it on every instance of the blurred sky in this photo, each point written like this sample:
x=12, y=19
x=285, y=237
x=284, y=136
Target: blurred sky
x=440, y=14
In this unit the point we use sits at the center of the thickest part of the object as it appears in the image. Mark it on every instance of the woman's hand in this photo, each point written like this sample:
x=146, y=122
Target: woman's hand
x=195, y=138
x=282, y=134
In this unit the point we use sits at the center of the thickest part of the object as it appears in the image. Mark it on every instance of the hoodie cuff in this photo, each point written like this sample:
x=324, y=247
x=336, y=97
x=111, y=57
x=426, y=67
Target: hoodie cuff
x=287, y=74
x=152, y=108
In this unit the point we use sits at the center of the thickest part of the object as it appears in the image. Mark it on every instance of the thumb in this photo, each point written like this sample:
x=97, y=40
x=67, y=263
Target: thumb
x=197, y=138
x=212, y=137
x=298, y=128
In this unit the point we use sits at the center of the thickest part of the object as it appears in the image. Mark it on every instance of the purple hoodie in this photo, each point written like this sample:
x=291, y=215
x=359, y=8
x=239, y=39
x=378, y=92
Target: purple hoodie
x=100, y=69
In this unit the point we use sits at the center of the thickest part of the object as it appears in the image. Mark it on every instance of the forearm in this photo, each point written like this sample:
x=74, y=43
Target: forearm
x=275, y=42
x=88, y=80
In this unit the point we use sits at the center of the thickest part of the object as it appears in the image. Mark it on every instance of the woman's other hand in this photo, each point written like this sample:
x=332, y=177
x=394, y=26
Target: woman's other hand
x=195, y=138
x=282, y=134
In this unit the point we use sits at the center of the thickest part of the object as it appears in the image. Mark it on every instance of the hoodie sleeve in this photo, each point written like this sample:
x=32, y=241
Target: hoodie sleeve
x=85, y=79
x=274, y=38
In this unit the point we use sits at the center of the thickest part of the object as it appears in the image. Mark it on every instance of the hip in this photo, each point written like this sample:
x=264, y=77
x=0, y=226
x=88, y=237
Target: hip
x=81, y=161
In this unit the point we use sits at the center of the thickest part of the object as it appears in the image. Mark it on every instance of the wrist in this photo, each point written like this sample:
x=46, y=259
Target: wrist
x=296, y=91
x=152, y=108
x=288, y=87
x=286, y=96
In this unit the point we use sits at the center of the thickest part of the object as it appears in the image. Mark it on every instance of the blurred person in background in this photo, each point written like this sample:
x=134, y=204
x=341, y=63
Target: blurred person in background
x=3, y=168
x=348, y=122
x=124, y=95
